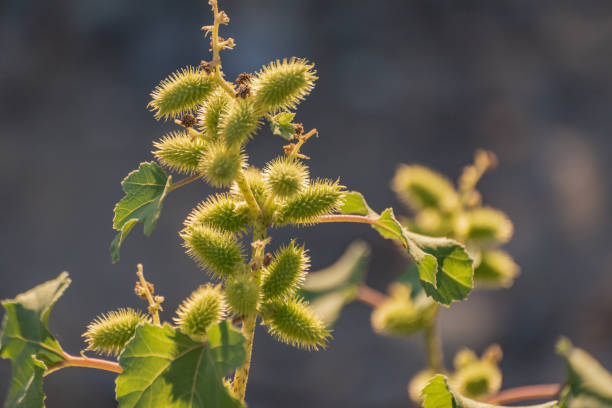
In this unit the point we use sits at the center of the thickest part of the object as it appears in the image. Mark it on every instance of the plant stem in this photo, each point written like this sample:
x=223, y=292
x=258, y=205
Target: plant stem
x=433, y=344
x=72, y=361
x=153, y=305
x=526, y=393
x=183, y=182
x=249, y=322
x=248, y=195
x=362, y=219
x=370, y=296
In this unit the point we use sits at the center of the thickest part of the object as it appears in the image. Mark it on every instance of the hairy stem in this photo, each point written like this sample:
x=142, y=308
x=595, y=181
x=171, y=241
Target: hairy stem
x=527, y=393
x=249, y=323
x=248, y=195
x=433, y=345
x=183, y=182
x=370, y=296
x=72, y=361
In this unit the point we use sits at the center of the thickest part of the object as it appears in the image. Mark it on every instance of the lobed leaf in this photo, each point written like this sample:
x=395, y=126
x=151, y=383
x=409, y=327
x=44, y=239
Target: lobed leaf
x=26, y=341
x=145, y=190
x=165, y=368
x=445, y=268
x=281, y=125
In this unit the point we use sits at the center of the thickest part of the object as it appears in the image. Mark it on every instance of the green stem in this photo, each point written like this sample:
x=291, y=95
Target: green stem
x=248, y=195
x=434, y=345
x=249, y=323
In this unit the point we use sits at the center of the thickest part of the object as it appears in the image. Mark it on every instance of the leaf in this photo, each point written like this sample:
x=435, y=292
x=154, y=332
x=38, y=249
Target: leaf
x=445, y=268
x=145, y=189
x=281, y=125
x=438, y=394
x=588, y=382
x=354, y=203
x=27, y=342
x=329, y=289
x=165, y=368
x=454, y=275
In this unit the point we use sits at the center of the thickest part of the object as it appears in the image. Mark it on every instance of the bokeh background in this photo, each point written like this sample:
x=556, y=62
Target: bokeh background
x=425, y=81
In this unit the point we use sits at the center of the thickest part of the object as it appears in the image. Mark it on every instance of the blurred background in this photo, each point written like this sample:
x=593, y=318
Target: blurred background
x=425, y=81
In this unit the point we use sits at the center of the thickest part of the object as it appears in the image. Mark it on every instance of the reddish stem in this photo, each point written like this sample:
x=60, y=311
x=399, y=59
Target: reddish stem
x=529, y=392
x=370, y=296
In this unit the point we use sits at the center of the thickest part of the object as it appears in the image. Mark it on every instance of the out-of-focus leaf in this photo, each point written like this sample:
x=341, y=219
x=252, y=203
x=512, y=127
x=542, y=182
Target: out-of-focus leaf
x=329, y=289
x=438, y=394
x=496, y=269
x=27, y=342
x=445, y=268
x=589, y=384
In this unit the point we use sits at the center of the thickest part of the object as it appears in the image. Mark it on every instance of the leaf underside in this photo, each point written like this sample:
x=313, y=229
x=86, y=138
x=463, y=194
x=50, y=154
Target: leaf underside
x=164, y=368
x=145, y=190
x=445, y=268
x=27, y=342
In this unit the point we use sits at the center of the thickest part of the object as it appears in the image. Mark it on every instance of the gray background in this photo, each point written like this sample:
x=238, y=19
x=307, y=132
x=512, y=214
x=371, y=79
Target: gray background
x=424, y=81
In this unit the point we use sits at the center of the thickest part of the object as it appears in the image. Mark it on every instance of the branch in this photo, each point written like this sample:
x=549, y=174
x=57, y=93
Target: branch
x=362, y=219
x=72, y=361
x=183, y=182
x=529, y=392
x=370, y=296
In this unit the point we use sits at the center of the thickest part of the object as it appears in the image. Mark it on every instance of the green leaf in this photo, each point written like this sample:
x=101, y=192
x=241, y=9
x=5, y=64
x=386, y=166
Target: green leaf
x=588, y=382
x=27, y=342
x=445, y=268
x=438, y=394
x=145, y=190
x=354, y=203
x=329, y=289
x=281, y=125
x=454, y=268
x=165, y=368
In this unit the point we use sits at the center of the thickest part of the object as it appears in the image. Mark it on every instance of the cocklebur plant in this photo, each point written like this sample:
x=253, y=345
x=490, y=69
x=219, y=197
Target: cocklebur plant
x=442, y=210
x=201, y=356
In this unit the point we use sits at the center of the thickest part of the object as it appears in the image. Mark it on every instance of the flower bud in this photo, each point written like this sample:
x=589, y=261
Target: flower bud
x=285, y=177
x=496, y=269
x=283, y=84
x=210, y=113
x=214, y=249
x=205, y=306
x=242, y=294
x=477, y=377
x=286, y=271
x=220, y=211
x=181, y=92
x=238, y=122
x=179, y=152
x=109, y=333
x=420, y=187
x=484, y=225
x=292, y=322
x=321, y=197
x=221, y=166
